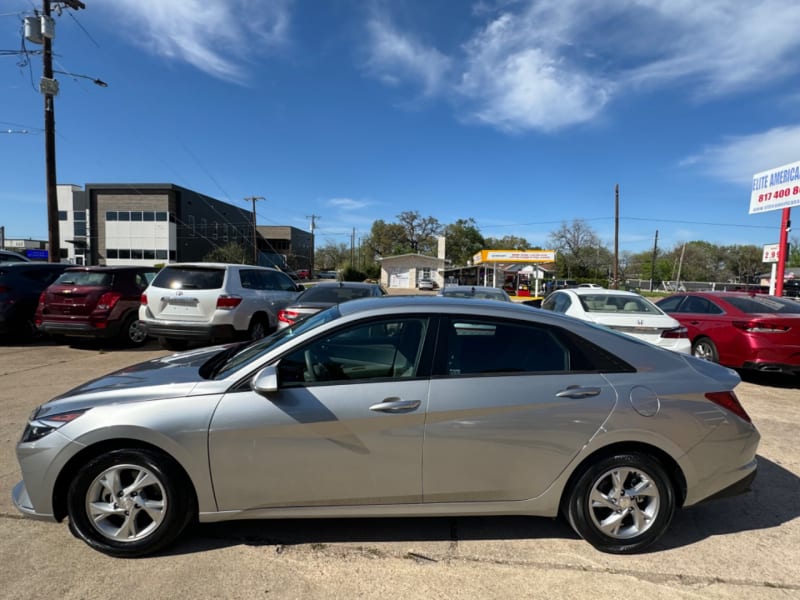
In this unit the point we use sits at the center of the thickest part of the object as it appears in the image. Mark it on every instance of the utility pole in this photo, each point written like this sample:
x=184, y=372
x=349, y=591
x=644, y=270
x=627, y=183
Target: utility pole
x=615, y=285
x=313, y=218
x=653, y=266
x=255, y=233
x=49, y=88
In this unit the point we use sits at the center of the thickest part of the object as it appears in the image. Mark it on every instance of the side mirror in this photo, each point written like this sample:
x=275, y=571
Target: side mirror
x=266, y=381
x=300, y=287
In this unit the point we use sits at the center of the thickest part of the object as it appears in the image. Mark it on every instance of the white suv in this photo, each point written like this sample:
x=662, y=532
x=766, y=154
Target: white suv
x=211, y=302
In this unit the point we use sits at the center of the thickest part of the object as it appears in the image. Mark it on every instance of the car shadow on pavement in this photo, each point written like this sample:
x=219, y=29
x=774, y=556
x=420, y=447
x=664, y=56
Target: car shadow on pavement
x=757, y=509
x=749, y=511
x=778, y=380
x=293, y=532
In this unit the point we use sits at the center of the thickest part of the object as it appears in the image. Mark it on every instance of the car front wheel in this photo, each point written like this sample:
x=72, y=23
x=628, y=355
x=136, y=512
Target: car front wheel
x=621, y=504
x=129, y=503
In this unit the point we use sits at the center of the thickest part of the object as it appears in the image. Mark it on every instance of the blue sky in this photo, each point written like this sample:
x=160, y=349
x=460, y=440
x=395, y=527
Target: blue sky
x=521, y=115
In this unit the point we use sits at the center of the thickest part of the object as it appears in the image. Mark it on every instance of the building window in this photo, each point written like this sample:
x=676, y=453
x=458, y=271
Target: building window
x=136, y=215
x=125, y=254
x=79, y=228
x=137, y=254
x=161, y=255
x=161, y=216
x=63, y=253
x=148, y=216
x=215, y=232
x=172, y=255
x=111, y=215
x=149, y=254
x=191, y=226
x=124, y=215
x=203, y=228
x=62, y=215
x=111, y=253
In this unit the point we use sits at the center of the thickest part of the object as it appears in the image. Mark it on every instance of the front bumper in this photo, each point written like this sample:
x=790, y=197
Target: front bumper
x=22, y=501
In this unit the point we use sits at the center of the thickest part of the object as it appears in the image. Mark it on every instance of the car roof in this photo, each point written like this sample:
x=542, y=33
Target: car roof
x=597, y=292
x=216, y=265
x=354, y=284
x=95, y=268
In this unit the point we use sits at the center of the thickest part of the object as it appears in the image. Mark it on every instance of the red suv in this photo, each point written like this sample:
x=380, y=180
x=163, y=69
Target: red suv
x=96, y=302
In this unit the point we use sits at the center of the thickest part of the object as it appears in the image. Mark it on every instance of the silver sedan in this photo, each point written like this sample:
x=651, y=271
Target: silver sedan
x=514, y=410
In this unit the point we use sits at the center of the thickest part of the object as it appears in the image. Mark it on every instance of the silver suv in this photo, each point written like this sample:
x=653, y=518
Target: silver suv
x=213, y=302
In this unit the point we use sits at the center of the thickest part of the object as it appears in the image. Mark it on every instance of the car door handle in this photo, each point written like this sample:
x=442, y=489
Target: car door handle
x=577, y=391
x=395, y=405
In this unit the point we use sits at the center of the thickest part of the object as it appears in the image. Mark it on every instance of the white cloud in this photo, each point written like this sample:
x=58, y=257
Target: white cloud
x=549, y=64
x=395, y=57
x=737, y=159
x=347, y=203
x=214, y=37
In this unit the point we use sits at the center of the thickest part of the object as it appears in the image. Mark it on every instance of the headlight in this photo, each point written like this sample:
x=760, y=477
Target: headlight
x=36, y=429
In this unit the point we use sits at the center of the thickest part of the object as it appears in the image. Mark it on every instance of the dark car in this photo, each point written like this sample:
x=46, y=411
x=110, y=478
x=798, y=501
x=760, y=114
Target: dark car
x=96, y=302
x=739, y=329
x=20, y=285
x=323, y=295
x=6, y=256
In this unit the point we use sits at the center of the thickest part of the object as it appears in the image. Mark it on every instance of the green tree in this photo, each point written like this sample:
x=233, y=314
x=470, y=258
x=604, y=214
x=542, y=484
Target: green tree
x=331, y=256
x=578, y=248
x=386, y=239
x=231, y=253
x=420, y=232
x=462, y=241
x=793, y=259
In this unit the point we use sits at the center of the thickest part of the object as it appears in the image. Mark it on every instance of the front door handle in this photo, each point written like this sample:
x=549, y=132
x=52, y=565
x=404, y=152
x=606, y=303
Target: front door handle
x=577, y=391
x=395, y=405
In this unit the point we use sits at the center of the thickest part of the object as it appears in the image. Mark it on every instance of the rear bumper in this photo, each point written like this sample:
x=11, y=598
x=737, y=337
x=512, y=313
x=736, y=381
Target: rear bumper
x=189, y=331
x=86, y=330
x=769, y=367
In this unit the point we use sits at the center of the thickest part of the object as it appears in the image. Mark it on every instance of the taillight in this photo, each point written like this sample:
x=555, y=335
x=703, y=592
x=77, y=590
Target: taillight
x=760, y=327
x=143, y=301
x=37, y=319
x=729, y=401
x=677, y=332
x=225, y=302
x=288, y=316
x=108, y=300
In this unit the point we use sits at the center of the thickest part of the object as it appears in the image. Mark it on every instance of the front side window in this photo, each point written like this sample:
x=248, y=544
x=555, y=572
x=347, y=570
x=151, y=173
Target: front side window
x=385, y=349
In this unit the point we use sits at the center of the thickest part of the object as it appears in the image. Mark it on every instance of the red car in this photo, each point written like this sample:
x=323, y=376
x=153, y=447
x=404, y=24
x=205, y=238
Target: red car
x=739, y=329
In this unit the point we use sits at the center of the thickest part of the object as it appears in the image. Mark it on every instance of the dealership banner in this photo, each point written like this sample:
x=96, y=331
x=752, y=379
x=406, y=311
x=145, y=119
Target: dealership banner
x=776, y=189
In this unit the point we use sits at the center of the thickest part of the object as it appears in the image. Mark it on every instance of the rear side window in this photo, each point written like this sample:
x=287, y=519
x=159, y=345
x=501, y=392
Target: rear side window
x=766, y=304
x=279, y=281
x=85, y=278
x=484, y=346
x=190, y=278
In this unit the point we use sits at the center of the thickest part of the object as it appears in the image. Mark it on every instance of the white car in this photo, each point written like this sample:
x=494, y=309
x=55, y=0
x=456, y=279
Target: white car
x=622, y=311
x=214, y=302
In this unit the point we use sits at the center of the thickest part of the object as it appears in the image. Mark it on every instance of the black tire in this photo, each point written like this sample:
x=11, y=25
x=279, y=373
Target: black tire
x=133, y=333
x=704, y=348
x=128, y=503
x=173, y=344
x=621, y=504
x=259, y=328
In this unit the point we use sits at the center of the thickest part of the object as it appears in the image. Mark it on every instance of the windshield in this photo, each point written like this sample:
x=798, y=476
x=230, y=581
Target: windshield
x=261, y=347
x=618, y=303
x=85, y=278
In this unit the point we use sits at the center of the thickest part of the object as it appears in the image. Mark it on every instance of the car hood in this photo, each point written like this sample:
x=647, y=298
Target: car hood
x=166, y=377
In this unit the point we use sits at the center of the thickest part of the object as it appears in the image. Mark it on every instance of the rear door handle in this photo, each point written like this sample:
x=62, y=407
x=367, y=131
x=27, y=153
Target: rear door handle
x=395, y=405
x=577, y=391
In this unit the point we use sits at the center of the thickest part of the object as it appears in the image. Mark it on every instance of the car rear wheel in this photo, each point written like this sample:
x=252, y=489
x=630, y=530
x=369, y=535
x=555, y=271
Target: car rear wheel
x=133, y=332
x=704, y=348
x=258, y=328
x=621, y=504
x=129, y=503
